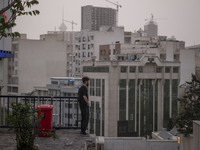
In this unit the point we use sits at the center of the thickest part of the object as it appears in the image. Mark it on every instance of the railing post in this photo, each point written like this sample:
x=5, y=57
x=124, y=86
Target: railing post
x=60, y=112
x=34, y=102
x=16, y=100
x=51, y=100
x=8, y=108
x=69, y=112
x=77, y=110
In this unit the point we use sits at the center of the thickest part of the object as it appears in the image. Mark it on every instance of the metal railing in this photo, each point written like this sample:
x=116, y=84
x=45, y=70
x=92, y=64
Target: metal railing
x=66, y=113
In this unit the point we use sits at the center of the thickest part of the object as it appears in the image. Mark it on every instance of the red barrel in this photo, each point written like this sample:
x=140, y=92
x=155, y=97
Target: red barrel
x=45, y=124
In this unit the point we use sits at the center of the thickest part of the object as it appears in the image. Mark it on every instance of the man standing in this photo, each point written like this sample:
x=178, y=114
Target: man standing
x=84, y=104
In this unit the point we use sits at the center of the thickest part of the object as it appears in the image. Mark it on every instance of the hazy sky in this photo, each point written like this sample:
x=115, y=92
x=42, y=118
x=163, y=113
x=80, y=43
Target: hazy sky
x=182, y=16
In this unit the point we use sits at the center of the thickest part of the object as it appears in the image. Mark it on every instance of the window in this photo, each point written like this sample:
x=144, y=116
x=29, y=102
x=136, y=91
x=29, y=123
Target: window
x=166, y=104
x=65, y=115
x=132, y=69
x=102, y=69
x=92, y=87
x=84, y=54
x=15, y=55
x=95, y=69
x=167, y=69
x=84, y=46
x=175, y=69
x=131, y=103
x=92, y=37
x=84, y=39
x=140, y=69
x=15, y=63
x=92, y=45
x=88, y=46
x=176, y=57
x=79, y=39
x=88, y=54
x=123, y=69
x=163, y=56
x=103, y=52
x=122, y=100
x=98, y=87
x=69, y=105
x=174, y=97
x=16, y=73
x=158, y=69
x=69, y=115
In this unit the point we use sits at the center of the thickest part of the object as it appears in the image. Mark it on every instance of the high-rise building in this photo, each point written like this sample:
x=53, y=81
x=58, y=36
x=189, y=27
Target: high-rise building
x=92, y=18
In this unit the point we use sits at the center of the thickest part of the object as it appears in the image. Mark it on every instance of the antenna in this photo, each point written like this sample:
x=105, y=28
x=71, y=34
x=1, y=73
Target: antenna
x=117, y=9
x=153, y=19
x=72, y=23
x=63, y=14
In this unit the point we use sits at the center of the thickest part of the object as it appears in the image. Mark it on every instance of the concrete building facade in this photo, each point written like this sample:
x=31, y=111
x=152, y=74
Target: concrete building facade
x=87, y=44
x=34, y=62
x=135, y=91
x=132, y=98
x=92, y=18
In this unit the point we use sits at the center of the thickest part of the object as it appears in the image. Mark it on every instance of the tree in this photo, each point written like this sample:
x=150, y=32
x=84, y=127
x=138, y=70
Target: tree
x=17, y=8
x=24, y=121
x=189, y=107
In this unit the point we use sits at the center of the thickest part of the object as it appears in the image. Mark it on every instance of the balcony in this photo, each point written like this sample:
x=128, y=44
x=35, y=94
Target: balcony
x=66, y=122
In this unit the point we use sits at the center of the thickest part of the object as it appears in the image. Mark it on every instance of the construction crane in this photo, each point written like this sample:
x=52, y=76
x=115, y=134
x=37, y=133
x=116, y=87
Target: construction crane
x=153, y=19
x=117, y=10
x=72, y=23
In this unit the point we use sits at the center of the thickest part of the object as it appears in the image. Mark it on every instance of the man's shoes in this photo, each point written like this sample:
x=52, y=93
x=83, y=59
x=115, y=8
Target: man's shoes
x=84, y=133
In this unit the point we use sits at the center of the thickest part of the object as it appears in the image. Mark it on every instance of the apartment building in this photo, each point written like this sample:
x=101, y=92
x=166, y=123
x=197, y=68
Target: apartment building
x=35, y=61
x=87, y=44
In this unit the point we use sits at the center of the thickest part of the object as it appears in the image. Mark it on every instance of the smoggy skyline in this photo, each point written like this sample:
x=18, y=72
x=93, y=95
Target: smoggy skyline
x=181, y=17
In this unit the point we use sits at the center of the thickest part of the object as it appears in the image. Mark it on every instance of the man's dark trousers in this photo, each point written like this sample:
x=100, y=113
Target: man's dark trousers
x=85, y=117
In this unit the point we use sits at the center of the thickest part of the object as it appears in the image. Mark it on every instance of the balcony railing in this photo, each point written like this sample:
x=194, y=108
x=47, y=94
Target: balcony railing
x=66, y=113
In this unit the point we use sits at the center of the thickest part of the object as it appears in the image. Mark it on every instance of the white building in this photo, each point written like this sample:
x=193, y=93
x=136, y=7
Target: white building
x=134, y=91
x=87, y=43
x=132, y=98
x=35, y=61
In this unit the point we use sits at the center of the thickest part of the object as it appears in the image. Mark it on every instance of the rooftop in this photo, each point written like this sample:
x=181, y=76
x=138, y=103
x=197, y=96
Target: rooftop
x=67, y=139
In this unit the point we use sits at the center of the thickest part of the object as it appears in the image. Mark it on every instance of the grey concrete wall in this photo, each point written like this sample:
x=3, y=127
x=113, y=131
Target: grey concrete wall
x=138, y=144
x=186, y=143
x=191, y=142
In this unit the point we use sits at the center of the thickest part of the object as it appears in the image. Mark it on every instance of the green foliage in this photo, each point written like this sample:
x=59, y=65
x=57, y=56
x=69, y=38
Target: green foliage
x=25, y=125
x=17, y=8
x=189, y=107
